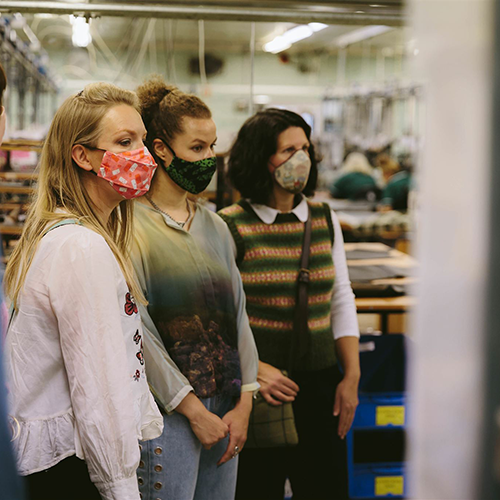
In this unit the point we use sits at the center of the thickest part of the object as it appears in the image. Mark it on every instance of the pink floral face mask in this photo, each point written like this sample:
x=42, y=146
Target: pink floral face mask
x=129, y=172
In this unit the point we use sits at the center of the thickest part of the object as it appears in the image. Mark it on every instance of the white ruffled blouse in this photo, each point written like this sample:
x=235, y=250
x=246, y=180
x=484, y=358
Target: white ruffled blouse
x=75, y=365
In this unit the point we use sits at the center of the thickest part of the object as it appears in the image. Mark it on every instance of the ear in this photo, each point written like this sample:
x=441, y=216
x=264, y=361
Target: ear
x=162, y=151
x=81, y=158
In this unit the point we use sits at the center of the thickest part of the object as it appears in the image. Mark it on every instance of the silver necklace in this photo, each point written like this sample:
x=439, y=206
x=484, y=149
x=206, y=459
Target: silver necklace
x=158, y=209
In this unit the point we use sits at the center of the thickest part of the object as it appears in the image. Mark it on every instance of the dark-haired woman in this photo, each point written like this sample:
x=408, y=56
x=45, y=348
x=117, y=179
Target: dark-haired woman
x=201, y=359
x=272, y=164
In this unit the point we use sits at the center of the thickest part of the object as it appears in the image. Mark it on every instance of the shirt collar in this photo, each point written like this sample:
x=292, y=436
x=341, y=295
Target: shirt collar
x=268, y=215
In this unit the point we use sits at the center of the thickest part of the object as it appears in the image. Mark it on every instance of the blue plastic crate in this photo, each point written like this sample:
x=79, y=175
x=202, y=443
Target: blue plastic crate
x=376, y=442
x=381, y=410
x=376, y=447
x=371, y=481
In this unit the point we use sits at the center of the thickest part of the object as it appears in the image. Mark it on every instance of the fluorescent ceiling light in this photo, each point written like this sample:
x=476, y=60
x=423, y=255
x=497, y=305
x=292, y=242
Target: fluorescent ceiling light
x=277, y=45
x=317, y=26
x=293, y=35
x=18, y=22
x=262, y=99
x=297, y=34
x=361, y=34
x=81, y=32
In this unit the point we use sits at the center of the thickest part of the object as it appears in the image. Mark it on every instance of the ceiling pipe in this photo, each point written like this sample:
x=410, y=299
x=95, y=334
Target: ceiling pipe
x=299, y=14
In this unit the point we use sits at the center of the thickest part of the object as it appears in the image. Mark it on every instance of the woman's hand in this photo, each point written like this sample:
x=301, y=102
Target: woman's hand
x=346, y=401
x=346, y=397
x=237, y=421
x=275, y=388
x=207, y=426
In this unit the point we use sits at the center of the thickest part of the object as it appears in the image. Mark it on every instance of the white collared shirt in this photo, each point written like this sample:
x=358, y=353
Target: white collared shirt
x=344, y=317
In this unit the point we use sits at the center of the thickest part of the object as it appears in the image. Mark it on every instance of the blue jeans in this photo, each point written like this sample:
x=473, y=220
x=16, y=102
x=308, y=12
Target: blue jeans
x=175, y=466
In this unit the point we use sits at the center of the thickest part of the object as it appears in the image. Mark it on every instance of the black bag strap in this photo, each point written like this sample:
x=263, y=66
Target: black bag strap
x=301, y=340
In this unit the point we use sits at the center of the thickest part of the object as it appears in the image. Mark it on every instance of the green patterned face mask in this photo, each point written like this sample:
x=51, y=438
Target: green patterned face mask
x=193, y=176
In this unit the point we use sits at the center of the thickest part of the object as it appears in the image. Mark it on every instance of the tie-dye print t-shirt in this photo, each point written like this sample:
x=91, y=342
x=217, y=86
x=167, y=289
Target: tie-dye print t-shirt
x=188, y=285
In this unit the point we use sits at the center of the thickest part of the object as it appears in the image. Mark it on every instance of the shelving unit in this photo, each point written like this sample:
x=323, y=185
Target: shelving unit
x=16, y=189
x=18, y=145
x=10, y=230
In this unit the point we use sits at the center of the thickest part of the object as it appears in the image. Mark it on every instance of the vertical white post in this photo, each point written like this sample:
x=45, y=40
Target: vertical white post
x=455, y=61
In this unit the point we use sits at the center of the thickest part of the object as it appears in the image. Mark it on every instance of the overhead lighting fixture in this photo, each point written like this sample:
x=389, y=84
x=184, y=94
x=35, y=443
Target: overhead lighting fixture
x=262, y=99
x=297, y=34
x=81, y=31
x=277, y=45
x=317, y=26
x=18, y=22
x=293, y=35
x=361, y=34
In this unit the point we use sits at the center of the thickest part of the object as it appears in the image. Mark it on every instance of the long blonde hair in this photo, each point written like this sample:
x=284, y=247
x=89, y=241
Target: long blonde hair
x=60, y=193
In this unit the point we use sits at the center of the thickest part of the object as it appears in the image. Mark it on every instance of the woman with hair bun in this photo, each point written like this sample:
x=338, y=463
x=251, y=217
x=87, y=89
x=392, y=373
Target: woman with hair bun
x=200, y=353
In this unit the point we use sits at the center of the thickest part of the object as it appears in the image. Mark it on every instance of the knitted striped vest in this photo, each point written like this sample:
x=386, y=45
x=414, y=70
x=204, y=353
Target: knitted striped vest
x=269, y=262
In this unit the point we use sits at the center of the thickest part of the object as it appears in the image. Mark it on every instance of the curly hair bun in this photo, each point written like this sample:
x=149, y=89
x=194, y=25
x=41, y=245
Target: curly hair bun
x=152, y=92
x=164, y=107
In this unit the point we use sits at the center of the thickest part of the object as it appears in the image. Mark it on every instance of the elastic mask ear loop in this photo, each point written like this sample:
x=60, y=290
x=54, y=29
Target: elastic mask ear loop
x=292, y=155
x=167, y=144
x=170, y=149
x=94, y=149
x=283, y=162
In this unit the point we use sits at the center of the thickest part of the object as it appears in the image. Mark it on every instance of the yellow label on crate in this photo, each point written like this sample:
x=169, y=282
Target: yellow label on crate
x=390, y=415
x=389, y=485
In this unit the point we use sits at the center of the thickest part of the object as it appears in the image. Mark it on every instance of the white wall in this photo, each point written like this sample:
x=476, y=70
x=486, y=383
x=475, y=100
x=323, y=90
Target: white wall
x=284, y=83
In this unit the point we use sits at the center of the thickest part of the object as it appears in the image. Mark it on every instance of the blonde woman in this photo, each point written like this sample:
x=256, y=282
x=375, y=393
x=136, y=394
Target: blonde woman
x=75, y=364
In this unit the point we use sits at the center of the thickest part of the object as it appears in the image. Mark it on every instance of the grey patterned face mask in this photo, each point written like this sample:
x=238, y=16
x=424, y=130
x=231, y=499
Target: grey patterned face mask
x=293, y=174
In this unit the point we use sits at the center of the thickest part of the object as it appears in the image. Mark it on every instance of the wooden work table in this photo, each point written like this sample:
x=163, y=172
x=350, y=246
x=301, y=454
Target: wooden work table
x=395, y=258
x=384, y=306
